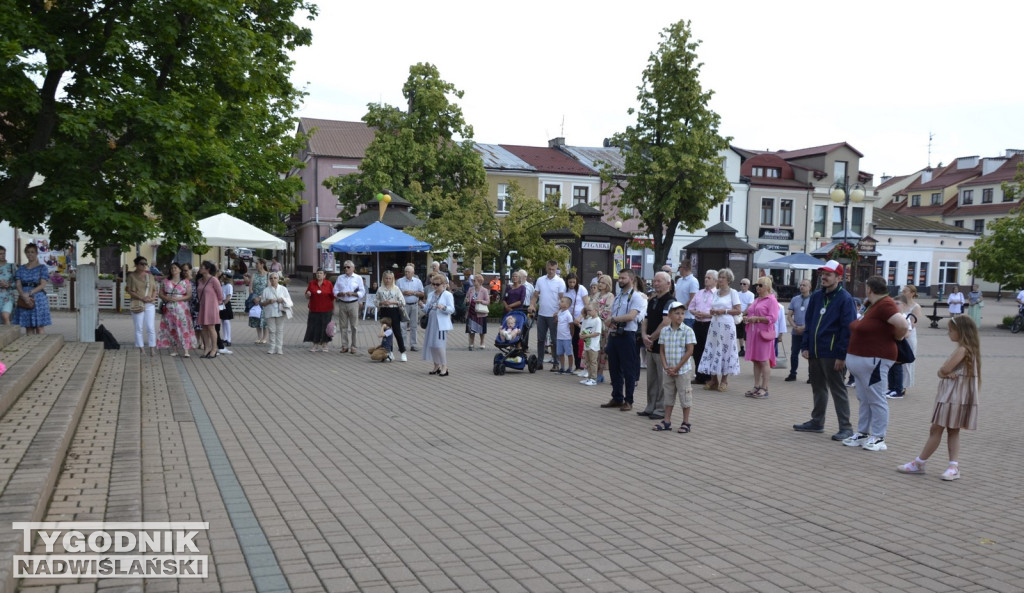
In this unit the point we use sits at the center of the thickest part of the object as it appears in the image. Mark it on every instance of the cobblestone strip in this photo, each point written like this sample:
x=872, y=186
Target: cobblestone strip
x=260, y=561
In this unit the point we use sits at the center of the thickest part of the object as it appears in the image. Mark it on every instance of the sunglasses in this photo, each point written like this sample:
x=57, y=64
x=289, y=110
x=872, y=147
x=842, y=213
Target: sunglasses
x=435, y=284
x=759, y=285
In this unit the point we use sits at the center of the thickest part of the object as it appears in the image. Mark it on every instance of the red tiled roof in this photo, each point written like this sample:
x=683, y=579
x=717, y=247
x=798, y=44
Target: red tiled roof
x=347, y=139
x=892, y=181
x=815, y=150
x=1006, y=172
x=549, y=160
x=948, y=177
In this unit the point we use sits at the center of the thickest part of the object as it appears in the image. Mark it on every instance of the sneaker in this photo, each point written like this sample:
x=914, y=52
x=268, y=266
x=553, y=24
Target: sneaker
x=895, y=395
x=855, y=440
x=403, y=357
x=791, y=378
x=875, y=444
x=849, y=382
x=889, y=394
x=589, y=382
x=390, y=358
x=582, y=373
x=225, y=351
x=911, y=468
x=952, y=473
x=842, y=435
x=808, y=426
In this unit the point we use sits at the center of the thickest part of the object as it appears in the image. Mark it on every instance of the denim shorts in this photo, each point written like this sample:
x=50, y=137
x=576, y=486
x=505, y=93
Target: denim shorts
x=564, y=348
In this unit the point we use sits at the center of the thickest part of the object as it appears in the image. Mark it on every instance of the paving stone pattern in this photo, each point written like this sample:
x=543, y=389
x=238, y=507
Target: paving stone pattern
x=366, y=476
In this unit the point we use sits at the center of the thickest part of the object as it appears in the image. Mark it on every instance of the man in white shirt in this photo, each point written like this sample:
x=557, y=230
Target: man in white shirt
x=544, y=303
x=412, y=290
x=746, y=299
x=686, y=287
x=348, y=289
x=1020, y=297
x=623, y=355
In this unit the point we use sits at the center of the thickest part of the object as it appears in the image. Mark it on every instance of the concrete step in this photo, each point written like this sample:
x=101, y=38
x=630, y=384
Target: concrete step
x=36, y=430
x=25, y=359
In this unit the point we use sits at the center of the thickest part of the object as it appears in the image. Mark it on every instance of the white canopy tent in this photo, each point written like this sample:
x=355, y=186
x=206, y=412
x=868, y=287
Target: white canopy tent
x=224, y=230
x=342, y=234
x=763, y=258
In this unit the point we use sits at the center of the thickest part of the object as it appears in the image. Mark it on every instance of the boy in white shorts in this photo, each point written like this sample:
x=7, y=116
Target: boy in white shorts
x=590, y=331
x=677, y=341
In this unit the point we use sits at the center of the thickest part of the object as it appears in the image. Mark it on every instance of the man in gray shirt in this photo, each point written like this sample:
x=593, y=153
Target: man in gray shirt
x=796, y=315
x=412, y=290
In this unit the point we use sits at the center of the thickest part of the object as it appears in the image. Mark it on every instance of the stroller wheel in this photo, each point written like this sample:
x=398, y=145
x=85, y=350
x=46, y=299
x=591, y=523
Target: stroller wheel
x=498, y=367
x=501, y=369
x=531, y=363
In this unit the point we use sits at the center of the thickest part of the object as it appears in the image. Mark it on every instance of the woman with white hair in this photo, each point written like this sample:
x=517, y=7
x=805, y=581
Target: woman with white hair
x=721, y=355
x=277, y=307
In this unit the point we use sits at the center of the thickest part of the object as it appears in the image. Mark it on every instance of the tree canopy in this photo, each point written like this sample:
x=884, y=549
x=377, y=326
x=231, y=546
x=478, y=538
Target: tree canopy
x=673, y=164
x=521, y=230
x=997, y=256
x=424, y=153
x=143, y=117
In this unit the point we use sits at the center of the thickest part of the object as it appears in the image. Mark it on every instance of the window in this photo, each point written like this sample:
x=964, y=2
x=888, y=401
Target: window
x=915, y=200
x=839, y=172
x=986, y=196
x=786, y=213
x=922, y=275
x=838, y=220
x=767, y=209
x=949, y=272
x=891, y=276
x=958, y=223
x=857, y=220
x=757, y=172
x=819, y=220
x=967, y=197
x=725, y=210
x=773, y=172
x=580, y=194
x=880, y=268
x=979, y=225
x=937, y=199
x=912, y=272
x=503, y=203
x=552, y=193
x=1007, y=197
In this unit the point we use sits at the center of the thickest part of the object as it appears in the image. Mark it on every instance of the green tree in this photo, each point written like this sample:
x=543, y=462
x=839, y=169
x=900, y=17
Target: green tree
x=143, y=117
x=426, y=155
x=997, y=256
x=520, y=230
x=673, y=162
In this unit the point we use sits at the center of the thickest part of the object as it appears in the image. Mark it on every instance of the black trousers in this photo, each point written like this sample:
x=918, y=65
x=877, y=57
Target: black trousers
x=700, y=329
x=395, y=315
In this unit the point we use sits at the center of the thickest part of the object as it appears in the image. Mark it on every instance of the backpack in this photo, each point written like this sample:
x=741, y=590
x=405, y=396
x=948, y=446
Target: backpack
x=109, y=341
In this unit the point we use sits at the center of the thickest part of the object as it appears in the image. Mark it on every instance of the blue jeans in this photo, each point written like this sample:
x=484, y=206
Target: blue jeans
x=794, y=353
x=623, y=365
x=896, y=378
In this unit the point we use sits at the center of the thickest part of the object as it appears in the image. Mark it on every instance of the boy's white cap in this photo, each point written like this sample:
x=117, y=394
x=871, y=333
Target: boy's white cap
x=675, y=305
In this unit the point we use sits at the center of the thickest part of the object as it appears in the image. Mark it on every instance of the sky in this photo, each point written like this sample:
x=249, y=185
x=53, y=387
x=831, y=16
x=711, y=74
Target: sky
x=881, y=76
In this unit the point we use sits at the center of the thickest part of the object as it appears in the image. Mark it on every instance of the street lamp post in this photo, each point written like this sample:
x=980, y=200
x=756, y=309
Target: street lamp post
x=842, y=191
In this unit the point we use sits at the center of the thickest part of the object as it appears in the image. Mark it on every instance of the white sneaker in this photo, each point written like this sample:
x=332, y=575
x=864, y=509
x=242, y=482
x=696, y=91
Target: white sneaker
x=951, y=473
x=589, y=382
x=390, y=358
x=582, y=373
x=225, y=351
x=875, y=444
x=856, y=440
x=403, y=358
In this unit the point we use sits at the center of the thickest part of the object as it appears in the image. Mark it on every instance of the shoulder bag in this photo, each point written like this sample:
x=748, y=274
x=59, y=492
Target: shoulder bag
x=25, y=301
x=904, y=353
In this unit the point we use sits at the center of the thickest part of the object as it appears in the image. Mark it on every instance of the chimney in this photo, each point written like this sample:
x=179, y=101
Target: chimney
x=886, y=177
x=556, y=142
x=966, y=162
x=989, y=165
x=926, y=176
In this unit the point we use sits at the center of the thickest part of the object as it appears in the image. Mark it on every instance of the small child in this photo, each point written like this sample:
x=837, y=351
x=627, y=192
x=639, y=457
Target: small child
x=564, y=351
x=382, y=353
x=510, y=332
x=677, y=341
x=956, y=403
x=590, y=331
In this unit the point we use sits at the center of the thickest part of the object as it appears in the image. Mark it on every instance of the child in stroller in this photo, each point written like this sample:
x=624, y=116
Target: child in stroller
x=511, y=344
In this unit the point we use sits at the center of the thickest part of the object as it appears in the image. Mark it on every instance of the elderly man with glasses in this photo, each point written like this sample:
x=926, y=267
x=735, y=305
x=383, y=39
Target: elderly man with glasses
x=348, y=289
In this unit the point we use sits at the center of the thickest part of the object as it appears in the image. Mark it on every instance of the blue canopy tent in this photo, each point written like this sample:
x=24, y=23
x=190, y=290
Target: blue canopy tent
x=377, y=238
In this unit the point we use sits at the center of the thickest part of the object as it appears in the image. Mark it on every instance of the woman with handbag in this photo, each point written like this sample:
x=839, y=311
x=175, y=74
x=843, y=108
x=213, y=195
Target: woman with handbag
x=320, y=293
x=141, y=286
x=390, y=302
x=176, y=329
x=438, y=313
x=260, y=280
x=33, y=312
x=721, y=354
x=277, y=308
x=208, y=311
x=760, y=319
x=8, y=296
x=872, y=351
x=477, y=310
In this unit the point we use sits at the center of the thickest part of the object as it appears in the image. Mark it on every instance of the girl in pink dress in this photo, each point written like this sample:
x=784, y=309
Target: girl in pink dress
x=176, y=329
x=761, y=317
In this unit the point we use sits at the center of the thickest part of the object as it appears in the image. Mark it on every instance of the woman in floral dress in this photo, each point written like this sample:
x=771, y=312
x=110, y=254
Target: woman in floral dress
x=176, y=330
x=721, y=356
x=260, y=280
x=8, y=296
x=30, y=280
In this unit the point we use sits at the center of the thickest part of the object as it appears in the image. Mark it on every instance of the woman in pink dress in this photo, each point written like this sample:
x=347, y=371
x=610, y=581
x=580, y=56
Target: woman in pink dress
x=210, y=296
x=760, y=320
x=176, y=322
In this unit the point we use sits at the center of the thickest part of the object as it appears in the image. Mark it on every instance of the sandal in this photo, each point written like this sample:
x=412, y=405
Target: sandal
x=760, y=394
x=662, y=427
x=709, y=386
x=723, y=386
x=751, y=392
x=684, y=428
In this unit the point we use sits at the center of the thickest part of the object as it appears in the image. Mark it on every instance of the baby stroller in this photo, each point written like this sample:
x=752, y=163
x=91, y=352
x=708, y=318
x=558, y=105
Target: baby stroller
x=512, y=353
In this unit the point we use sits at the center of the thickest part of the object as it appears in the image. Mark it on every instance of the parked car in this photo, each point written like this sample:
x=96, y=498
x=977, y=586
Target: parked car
x=244, y=253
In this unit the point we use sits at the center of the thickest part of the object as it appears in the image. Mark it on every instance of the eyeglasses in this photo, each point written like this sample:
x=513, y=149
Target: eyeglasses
x=759, y=285
x=435, y=284
x=142, y=263
x=744, y=283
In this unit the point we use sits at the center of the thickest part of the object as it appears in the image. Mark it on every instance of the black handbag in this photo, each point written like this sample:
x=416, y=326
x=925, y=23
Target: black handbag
x=423, y=320
x=904, y=353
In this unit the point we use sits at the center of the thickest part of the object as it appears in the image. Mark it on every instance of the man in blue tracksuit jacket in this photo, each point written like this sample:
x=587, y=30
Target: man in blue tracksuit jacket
x=826, y=337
